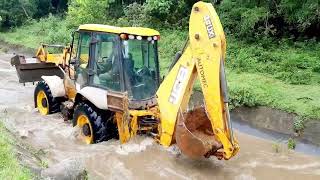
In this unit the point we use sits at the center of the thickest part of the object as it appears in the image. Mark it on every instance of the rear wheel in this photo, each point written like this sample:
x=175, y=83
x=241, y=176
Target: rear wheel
x=95, y=125
x=44, y=100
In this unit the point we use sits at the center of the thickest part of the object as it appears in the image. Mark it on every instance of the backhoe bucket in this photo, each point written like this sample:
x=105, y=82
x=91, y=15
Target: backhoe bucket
x=31, y=69
x=194, y=134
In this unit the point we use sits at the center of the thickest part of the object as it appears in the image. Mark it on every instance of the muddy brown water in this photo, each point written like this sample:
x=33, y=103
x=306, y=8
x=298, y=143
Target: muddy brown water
x=141, y=158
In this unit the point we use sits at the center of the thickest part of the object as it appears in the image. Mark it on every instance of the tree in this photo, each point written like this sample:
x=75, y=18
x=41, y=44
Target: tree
x=15, y=12
x=87, y=11
x=251, y=18
x=59, y=5
x=44, y=7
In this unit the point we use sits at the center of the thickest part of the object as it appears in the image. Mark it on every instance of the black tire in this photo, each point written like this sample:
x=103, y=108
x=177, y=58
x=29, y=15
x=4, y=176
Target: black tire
x=101, y=122
x=53, y=103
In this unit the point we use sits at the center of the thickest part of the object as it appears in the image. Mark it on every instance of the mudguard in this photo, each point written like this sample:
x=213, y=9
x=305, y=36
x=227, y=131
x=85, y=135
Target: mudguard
x=56, y=85
x=96, y=96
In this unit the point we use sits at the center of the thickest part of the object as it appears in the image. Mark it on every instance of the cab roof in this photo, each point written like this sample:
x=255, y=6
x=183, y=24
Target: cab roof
x=118, y=30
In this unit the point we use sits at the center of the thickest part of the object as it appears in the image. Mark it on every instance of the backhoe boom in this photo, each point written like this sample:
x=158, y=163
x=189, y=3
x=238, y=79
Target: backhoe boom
x=204, y=58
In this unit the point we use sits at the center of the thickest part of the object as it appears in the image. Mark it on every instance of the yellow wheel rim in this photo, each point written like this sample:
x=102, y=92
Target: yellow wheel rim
x=42, y=103
x=83, y=123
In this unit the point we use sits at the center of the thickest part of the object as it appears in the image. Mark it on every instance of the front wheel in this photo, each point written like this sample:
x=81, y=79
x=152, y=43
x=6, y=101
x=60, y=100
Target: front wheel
x=44, y=100
x=95, y=126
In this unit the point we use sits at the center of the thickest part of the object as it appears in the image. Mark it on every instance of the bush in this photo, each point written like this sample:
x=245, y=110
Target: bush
x=291, y=143
x=298, y=124
x=247, y=19
x=295, y=76
x=134, y=15
x=14, y=13
x=170, y=43
x=81, y=12
x=292, y=62
x=159, y=8
x=316, y=68
x=242, y=96
x=54, y=29
x=170, y=13
x=44, y=7
x=302, y=13
x=250, y=19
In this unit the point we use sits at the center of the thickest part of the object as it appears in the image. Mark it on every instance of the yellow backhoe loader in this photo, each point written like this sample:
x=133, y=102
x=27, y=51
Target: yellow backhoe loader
x=108, y=82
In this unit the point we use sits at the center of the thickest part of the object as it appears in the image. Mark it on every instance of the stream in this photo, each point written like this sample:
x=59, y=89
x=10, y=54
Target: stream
x=142, y=157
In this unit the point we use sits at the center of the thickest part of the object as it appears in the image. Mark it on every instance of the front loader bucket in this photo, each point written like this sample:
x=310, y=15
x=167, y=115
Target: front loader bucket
x=31, y=69
x=194, y=134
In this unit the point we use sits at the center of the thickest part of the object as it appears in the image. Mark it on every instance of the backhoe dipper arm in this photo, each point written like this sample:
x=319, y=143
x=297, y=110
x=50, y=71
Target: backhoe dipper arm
x=203, y=57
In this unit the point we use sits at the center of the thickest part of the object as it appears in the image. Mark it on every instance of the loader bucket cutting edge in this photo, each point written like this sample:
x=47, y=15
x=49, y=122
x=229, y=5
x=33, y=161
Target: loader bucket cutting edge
x=194, y=134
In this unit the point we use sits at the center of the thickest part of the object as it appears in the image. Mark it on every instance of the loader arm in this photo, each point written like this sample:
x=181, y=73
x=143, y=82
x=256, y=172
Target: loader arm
x=203, y=57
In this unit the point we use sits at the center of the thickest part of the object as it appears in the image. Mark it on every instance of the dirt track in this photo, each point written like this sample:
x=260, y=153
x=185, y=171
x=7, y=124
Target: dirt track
x=142, y=158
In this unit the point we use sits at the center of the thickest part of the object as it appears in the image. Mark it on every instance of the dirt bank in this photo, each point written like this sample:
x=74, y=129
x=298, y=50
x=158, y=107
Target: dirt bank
x=142, y=158
x=266, y=118
x=14, y=48
x=278, y=121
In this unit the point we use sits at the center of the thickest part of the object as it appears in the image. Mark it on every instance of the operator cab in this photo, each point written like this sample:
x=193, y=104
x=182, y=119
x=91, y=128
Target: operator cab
x=118, y=60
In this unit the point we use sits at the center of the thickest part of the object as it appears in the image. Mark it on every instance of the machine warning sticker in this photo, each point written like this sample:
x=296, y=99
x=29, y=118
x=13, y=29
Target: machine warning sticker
x=176, y=91
x=209, y=27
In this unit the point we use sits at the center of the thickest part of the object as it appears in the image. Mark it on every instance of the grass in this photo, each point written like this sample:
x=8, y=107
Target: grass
x=51, y=30
x=282, y=74
x=9, y=165
x=289, y=61
x=262, y=90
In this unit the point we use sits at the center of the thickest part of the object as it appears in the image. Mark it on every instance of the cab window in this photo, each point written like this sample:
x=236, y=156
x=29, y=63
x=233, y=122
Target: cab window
x=140, y=68
x=83, y=58
x=106, y=62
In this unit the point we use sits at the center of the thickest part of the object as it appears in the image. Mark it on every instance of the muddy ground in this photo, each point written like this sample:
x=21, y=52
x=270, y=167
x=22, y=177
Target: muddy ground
x=51, y=149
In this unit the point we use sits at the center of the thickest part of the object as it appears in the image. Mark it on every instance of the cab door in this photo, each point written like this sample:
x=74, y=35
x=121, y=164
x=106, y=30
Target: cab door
x=105, y=62
x=82, y=59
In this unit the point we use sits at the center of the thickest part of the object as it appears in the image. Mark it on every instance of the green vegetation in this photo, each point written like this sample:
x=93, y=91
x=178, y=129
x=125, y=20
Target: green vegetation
x=291, y=143
x=273, y=56
x=276, y=147
x=47, y=30
x=253, y=89
x=292, y=62
x=14, y=13
x=9, y=165
x=252, y=19
x=246, y=19
x=298, y=124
